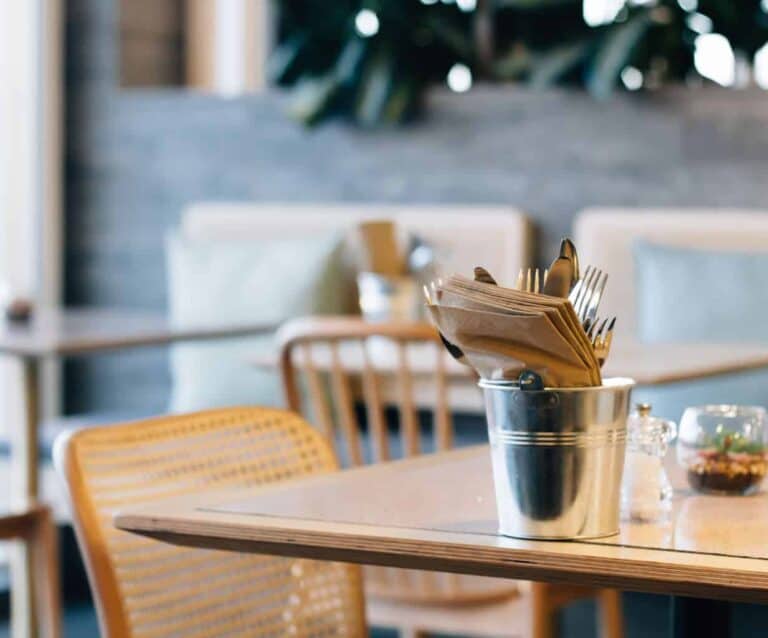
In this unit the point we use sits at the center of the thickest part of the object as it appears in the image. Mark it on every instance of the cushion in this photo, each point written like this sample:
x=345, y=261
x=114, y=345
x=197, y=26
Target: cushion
x=458, y=233
x=605, y=235
x=689, y=295
x=231, y=281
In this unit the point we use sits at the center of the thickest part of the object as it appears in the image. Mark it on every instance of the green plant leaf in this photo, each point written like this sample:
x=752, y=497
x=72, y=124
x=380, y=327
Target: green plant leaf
x=452, y=37
x=615, y=53
x=375, y=89
x=533, y=4
x=400, y=101
x=313, y=98
x=550, y=67
x=285, y=61
x=514, y=64
x=350, y=61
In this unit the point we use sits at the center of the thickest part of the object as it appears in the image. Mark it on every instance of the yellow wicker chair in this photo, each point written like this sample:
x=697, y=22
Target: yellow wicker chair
x=148, y=589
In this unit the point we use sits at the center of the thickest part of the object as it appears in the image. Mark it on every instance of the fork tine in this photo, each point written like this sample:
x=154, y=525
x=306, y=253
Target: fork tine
x=609, y=334
x=519, y=285
x=536, y=280
x=594, y=294
x=528, y=281
x=575, y=291
x=591, y=331
x=586, y=290
x=600, y=331
x=602, y=342
x=597, y=293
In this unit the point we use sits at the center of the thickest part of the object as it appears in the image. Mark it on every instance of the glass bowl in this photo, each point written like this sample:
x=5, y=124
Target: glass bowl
x=722, y=448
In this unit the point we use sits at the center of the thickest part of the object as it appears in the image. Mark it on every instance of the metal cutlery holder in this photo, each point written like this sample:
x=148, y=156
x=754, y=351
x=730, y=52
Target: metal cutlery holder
x=389, y=298
x=558, y=458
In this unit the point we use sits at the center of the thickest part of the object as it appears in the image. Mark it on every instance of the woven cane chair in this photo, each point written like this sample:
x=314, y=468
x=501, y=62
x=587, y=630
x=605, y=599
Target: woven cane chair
x=327, y=365
x=148, y=589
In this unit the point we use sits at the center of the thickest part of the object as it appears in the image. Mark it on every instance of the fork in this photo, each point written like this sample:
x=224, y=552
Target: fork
x=586, y=294
x=532, y=280
x=600, y=337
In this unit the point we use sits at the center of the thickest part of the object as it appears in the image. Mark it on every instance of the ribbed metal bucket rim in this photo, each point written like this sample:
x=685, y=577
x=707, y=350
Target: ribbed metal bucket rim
x=612, y=383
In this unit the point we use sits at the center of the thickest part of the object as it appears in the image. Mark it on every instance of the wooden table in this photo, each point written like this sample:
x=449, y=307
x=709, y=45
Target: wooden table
x=437, y=512
x=59, y=332
x=664, y=363
x=647, y=364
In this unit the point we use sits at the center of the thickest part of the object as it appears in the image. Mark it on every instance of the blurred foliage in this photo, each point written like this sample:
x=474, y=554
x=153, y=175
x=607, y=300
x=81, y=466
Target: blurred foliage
x=333, y=69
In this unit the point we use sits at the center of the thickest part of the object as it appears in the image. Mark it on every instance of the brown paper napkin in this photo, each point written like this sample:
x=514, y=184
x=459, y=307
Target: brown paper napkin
x=503, y=331
x=484, y=338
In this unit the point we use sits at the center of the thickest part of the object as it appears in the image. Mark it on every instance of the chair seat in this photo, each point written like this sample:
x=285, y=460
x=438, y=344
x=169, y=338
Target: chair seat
x=433, y=588
x=508, y=618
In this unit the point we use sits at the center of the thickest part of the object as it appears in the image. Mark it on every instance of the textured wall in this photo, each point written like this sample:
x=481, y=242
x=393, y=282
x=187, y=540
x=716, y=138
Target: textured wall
x=135, y=158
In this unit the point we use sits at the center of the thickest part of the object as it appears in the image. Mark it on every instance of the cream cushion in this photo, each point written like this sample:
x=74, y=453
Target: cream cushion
x=604, y=238
x=463, y=236
x=205, y=374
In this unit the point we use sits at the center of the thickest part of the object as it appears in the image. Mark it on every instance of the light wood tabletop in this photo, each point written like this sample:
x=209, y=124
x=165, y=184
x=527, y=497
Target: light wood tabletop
x=664, y=363
x=437, y=512
x=648, y=364
x=68, y=331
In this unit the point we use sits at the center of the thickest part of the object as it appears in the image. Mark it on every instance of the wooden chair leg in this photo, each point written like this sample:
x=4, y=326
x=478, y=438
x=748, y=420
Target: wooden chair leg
x=610, y=614
x=544, y=619
x=43, y=545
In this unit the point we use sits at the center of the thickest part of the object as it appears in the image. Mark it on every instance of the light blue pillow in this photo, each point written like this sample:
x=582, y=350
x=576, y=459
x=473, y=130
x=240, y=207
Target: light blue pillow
x=233, y=281
x=690, y=295
x=687, y=295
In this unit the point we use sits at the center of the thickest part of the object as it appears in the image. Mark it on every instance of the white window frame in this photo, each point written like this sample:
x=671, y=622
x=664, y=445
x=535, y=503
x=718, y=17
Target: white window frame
x=30, y=167
x=228, y=42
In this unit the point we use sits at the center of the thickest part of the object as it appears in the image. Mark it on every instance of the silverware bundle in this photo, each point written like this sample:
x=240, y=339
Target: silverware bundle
x=547, y=324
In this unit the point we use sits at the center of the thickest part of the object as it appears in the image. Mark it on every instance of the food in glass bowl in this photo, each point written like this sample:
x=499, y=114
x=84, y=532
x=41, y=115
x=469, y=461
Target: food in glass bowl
x=722, y=449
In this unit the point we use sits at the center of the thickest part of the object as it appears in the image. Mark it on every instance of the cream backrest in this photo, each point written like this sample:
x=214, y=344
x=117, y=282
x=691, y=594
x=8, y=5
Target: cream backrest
x=604, y=238
x=497, y=237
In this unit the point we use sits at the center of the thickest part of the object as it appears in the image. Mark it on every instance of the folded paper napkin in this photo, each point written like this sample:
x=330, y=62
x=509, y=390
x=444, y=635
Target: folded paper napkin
x=502, y=332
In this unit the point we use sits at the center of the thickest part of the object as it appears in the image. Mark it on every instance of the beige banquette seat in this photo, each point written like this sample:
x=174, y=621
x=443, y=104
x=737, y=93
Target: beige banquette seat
x=605, y=237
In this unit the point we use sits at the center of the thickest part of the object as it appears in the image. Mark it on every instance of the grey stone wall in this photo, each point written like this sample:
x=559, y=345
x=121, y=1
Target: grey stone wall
x=135, y=158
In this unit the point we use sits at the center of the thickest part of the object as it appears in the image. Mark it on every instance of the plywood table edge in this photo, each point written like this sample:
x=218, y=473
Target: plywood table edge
x=150, y=338
x=647, y=570
x=685, y=377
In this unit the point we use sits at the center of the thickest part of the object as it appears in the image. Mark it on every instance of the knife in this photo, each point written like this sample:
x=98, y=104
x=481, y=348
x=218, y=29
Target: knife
x=564, y=271
x=483, y=276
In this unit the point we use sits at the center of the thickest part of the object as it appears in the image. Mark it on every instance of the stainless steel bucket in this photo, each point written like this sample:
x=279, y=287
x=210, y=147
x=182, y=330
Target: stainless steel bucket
x=558, y=457
x=389, y=298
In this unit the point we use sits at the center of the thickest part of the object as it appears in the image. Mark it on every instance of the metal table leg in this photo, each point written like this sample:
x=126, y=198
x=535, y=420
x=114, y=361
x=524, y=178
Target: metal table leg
x=697, y=617
x=24, y=492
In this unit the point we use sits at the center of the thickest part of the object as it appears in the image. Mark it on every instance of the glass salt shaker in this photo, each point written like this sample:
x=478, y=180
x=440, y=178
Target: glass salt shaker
x=646, y=493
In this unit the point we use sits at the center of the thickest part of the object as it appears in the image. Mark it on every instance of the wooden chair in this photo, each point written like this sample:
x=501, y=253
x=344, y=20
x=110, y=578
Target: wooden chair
x=35, y=528
x=350, y=355
x=148, y=589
